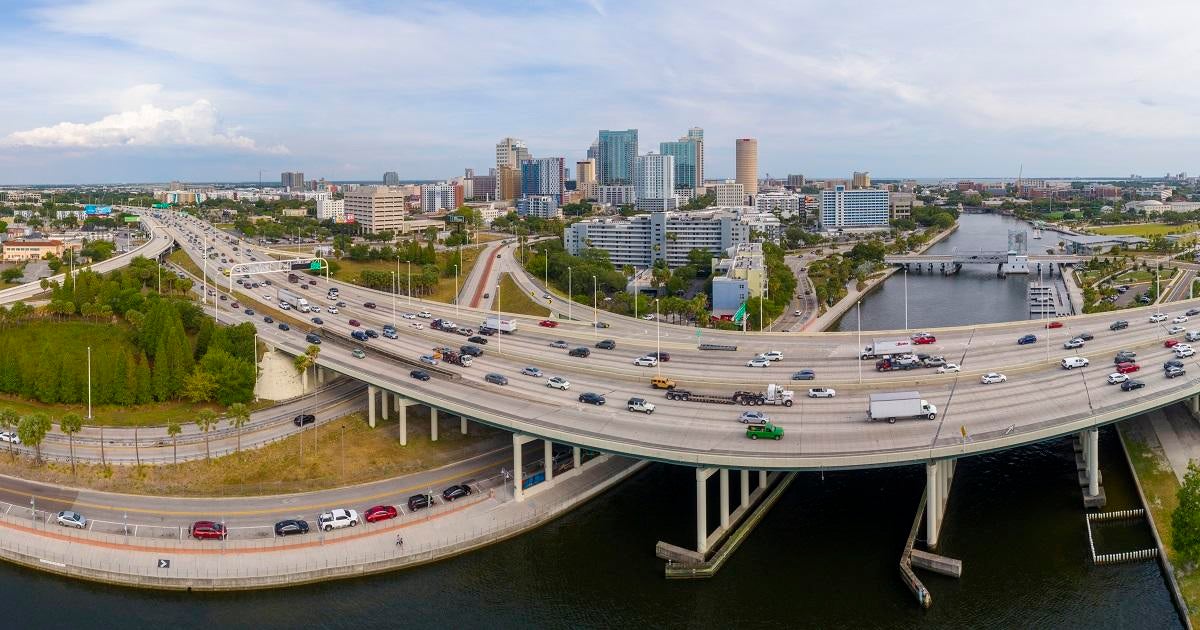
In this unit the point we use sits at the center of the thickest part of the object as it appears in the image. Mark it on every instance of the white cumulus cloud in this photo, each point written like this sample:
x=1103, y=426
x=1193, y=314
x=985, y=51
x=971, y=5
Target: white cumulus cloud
x=194, y=125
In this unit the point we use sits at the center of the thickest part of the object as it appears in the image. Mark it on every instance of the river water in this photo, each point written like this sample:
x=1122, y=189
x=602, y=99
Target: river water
x=825, y=557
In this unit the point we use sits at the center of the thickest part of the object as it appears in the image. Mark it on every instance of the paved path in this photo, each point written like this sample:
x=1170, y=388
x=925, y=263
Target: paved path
x=1178, y=434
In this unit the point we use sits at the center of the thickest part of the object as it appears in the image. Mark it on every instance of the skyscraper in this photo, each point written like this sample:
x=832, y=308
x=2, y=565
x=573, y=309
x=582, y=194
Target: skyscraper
x=616, y=152
x=585, y=178
x=686, y=152
x=654, y=182
x=543, y=177
x=391, y=178
x=747, y=164
x=696, y=134
x=861, y=179
x=293, y=181
x=510, y=152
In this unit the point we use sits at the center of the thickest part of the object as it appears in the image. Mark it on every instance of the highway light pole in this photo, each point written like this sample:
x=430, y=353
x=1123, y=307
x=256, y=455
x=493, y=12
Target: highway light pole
x=570, y=294
x=499, y=332
x=906, y=298
x=858, y=313
x=595, y=310
x=395, y=290
x=204, y=276
x=410, y=283
x=657, y=338
x=89, y=368
x=456, y=292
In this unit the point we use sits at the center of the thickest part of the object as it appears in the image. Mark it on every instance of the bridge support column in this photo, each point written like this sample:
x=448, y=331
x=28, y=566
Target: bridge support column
x=577, y=456
x=745, y=488
x=548, y=460
x=518, y=466
x=433, y=424
x=402, y=411
x=383, y=403
x=938, y=476
x=1194, y=406
x=723, y=478
x=762, y=479
x=702, y=475
x=462, y=425
x=320, y=375
x=371, y=406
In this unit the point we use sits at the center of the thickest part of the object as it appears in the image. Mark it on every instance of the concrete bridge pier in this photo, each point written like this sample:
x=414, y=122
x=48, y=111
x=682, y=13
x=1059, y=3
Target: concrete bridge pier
x=1088, y=462
x=1193, y=405
x=939, y=474
x=371, y=405
x=402, y=405
x=433, y=424
x=519, y=441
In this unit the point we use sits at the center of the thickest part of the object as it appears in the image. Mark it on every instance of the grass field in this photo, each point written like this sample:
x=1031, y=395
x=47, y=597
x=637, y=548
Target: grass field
x=1145, y=230
x=179, y=257
x=317, y=459
x=1161, y=489
x=1136, y=277
x=514, y=300
x=444, y=292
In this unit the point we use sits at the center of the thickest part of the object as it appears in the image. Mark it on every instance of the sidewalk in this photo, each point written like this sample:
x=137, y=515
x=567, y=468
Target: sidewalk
x=1178, y=435
x=428, y=535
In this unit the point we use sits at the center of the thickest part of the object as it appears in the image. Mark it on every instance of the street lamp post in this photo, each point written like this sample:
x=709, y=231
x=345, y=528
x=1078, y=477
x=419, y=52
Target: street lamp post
x=570, y=293
x=344, y=448
x=657, y=338
x=498, y=331
x=410, y=284
x=858, y=314
x=394, y=291
x=456, y=292
x=89, y=368
x=906, y=298
x=254, y=359
x=595, y=310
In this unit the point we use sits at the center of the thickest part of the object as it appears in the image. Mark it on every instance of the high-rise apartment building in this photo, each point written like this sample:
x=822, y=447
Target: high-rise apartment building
x=846, y=208
x=545, y=177
x=615, y=195
x=696, y=134
x=539, y=206
x=391, y=178
x=375, y=208
x=654, y=182
x=508, y=183
x=861, y=179
x=292, y=181
x=443, y=196
x=585, y=178
x=795, y=181
x=746, y=150
x=686, y=153
x=616, y=152
x=510, y=152
x=728, y=194
x=786, y=204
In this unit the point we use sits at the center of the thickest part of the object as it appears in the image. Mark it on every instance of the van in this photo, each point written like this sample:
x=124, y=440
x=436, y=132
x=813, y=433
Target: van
x=1192, y=335
x=662, y=382
x=1074, y=362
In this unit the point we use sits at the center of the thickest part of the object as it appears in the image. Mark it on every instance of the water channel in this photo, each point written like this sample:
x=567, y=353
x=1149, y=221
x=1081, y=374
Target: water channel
x=825, y=557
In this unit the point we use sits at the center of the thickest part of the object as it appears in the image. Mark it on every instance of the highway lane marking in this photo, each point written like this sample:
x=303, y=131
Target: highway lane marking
x=311, y=506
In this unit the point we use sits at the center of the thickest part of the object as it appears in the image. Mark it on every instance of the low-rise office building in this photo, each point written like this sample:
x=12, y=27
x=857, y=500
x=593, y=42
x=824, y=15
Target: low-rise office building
x=740, y=277
x=21, y=250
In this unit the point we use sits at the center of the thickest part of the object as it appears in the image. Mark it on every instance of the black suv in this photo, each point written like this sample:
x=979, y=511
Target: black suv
x=580, y=352
x=607, y=344
x=419, y=502
x=479, y=340
x=303, y=419
x=591, y=398
x=474, y=351
x=455, y=492
x=1118, y=325
x=420, y=375
x=1125, y=356
x=1129, y=386
x=1086, y=336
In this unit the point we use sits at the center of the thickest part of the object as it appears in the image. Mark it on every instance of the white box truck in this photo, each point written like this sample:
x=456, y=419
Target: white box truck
x=882, y=347
x=293, y=300
x=502, y=324
x=892, y=405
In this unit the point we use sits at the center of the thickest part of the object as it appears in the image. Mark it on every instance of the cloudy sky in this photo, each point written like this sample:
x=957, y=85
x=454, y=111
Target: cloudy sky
x=135, y=90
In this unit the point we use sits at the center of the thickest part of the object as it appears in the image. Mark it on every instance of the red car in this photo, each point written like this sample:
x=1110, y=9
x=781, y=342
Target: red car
x=380, y=513
x=1171, y=343
x=354, y=322
x=1054, y=325
x=1126, y=368
x=208, y=530
x=548, y=323
x=924, y=339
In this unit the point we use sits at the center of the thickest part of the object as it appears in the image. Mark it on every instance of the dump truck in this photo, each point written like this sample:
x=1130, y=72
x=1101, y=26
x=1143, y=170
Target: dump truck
x=880, y=348
x=892, y=405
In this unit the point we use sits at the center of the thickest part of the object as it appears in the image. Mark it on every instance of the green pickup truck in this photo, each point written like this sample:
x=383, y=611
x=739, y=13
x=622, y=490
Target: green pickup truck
x=766, y=431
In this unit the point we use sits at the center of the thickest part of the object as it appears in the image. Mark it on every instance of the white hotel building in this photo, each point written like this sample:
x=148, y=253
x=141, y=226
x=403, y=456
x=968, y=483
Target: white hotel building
x=861, y=209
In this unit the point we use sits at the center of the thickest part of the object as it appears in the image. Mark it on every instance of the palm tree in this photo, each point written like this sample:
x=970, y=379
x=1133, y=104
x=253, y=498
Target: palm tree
x=205, y=420
x=239, y=415
x=173, y=430
x=8, y=422
x=71, y=424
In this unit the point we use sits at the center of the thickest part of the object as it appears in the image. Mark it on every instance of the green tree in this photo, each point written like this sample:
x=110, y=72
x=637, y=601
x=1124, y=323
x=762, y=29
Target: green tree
x=9, y=419
x=205, y=421
x=173, y=430
x=199, y=386
x=1185, y=520
x=32, y=430
x=239, y=415
x=71, y=424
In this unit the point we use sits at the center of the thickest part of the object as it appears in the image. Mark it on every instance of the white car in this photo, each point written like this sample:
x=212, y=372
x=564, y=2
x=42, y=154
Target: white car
x=1117, y=377
x=409, y=316
x=1175, y=330
x=1158, y=317
x=645, y=361
x=772, y=355
x=992, y=377
x=798, y=313
x=9, y=436
x=1073, y=343
x=558, y=382
x=337, y=519
x=822, y=392
x=648, y=317
x=1184, y=352
x=424, y=314
x=753, y=417
x=332, y=309
x=949, y=368
x=1180, y=319
x=417, y=325
x=1069, y=363
x=531, y=371
x=267, y=298
x=759, y=362
x=67, y=518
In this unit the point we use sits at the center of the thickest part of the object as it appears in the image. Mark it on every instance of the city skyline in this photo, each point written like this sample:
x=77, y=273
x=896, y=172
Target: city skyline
x=114, y=91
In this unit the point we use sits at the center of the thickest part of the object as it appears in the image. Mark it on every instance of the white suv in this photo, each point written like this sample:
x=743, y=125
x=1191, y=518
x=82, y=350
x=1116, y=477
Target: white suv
x=337, y=519
x=1158, y=317
x=1074, y=362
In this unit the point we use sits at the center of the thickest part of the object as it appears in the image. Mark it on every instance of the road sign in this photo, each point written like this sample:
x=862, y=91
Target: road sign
x=164, y=563
x=315, y=265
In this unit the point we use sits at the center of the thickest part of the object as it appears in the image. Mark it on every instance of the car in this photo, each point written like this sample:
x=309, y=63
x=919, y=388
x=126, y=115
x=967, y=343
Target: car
x=456, y=492
x=580, y=352
x=224, y=297
x=479, y=340
x=548, y=323
x=558, y=382
x=1054, y=325
x=1071, y=344
x=371, y=333
x=545, y=296
x=1180, y=319
x=1175, y=330
x=1117, y=377
x=10, y=436
x=268, y=319
x=993, y=377
x=369, y=304
x=606, y=344
x=603, y=325
x=474, y=351
x=420, y=375
x=417, y=325
x=591, y=398
x=804, y=375
x=484, y=330
x=532, y=371
x=419, y=502
x=1129, y=386
x=359, y=335
x=772, y=355
x=291, y=526
x=428, y=359
x=359, y=354
x=645, y=362
x=337, y=518
x=661, y=356
x=487, y=295
x=1027, y=339
x=284, y=326
x=753, y=417
x=424, y=314
x=409, y=316
x=648, y=317
x=390, y=333
x=1070, y=363
x=759, y=362
x=1170, y=343
x=1128, y=368
x=1120, y=324
x=355, y=323
x=303, y=419
x=1174, y=371
x=1183, y=352
x=496, y=378
x=1125, y=356
x=1192, y=312
x=267, y=298
x=766, y=431
x=924, y=339
x=640, y=404
x=377, y=513
x=234, y=305
x=558, y=344
x=208, y=530
x=318, y=321
x=936, y=360
x=949, y=368
x=1172, y=363
x=1086, y=336
x=67, y=518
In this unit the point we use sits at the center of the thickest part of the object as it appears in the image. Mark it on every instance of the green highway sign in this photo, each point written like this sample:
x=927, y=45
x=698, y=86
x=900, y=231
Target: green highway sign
x=314, y=265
